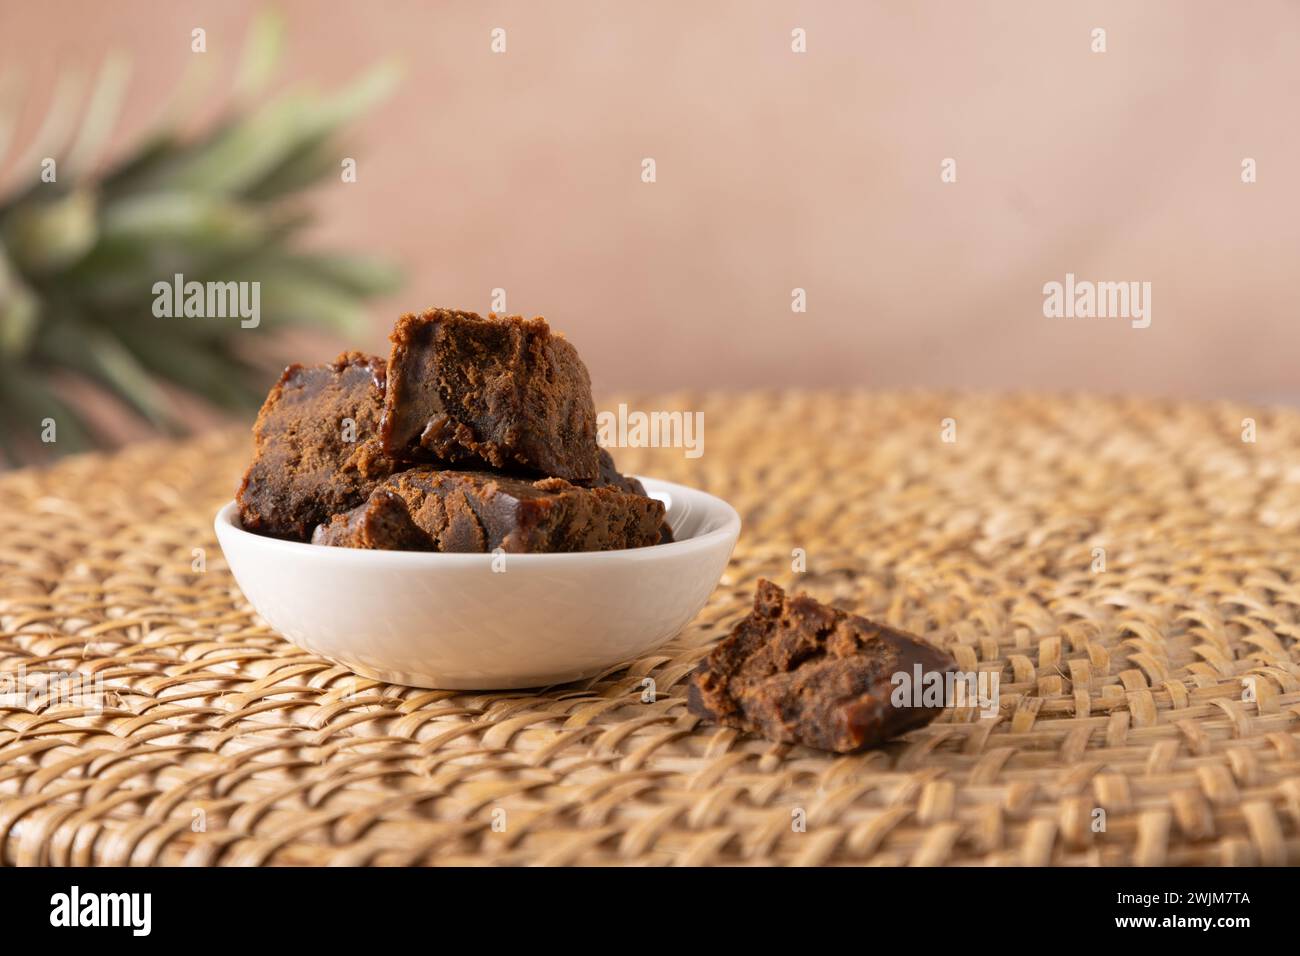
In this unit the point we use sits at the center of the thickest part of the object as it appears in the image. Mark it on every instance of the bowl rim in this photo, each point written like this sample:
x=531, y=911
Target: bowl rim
x=226, y=521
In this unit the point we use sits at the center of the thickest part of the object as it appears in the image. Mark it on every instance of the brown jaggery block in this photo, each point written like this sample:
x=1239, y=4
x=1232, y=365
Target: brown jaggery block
x=380, y=523
x=479, y=511
x=304, y=467
x=610, y=476
x=501, y=392
x=474, y=511
x=798, y=671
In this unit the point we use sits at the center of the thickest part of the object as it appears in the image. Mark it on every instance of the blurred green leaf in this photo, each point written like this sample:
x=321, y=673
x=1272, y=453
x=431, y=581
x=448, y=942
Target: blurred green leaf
x=261, y=53
x=121, y=270
x=214, y=373
x=101, y=113
x=362, y=277
x=254, y=147
x=28, y=401
x=346, y=105
x=57, y=124
x=310, y=162
x=151, y=237
x=289, y=299
x=186, y=217
x=99, y=355
x=134, y=171
x=48, y=234
x=19, y=312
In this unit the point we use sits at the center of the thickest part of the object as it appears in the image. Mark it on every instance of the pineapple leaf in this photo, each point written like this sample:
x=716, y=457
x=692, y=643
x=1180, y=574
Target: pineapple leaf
x=261, y=54
x=370, y=89
x=208, y=370
x=19, y=312
x=358, y=275
x=96, y=353
x=46, y=235
x=27, y=401
x=184, y=217
x=313, y=160
x=123, y=267
x=51, y=138
x=251, y=148
x=246, y=151
x=101, y=114
x=135, y=171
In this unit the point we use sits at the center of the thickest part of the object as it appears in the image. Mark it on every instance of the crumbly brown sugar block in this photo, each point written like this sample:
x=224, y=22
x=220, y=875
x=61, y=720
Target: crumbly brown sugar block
x=798, y=671
x=304, y=467
x=381, y=522
x=610, y=476
x=472, y=511
x=501, y=392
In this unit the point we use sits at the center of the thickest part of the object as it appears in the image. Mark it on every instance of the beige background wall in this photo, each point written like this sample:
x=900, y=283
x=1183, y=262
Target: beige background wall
x=820, y=170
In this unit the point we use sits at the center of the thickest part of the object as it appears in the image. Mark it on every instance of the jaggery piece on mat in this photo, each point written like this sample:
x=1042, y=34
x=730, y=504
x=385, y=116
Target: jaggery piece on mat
x=472, y=511
x=500, y=392
x=307, y=463
x=798, y=671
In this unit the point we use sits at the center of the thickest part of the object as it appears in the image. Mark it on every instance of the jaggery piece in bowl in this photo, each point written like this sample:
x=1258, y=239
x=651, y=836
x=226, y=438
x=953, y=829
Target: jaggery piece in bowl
x=381, y=522
x=430, y=509
x=316, y=447
x=501, y=392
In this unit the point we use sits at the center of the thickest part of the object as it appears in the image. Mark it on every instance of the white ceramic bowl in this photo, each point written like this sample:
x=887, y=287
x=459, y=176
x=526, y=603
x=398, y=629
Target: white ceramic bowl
x=458, y=621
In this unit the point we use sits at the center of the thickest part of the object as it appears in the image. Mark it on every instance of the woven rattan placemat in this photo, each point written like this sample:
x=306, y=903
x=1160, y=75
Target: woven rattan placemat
x=1162, y=691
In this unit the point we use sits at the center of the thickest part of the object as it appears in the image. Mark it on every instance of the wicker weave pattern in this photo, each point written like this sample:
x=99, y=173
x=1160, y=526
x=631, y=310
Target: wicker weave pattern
x=1120, y=689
